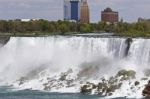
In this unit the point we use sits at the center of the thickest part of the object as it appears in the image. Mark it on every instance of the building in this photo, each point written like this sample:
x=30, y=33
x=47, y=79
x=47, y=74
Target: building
x=108, y=15
x=75, y=10
x=84, y=12
x=67, y=10
x=143, y=20
x=72, y=10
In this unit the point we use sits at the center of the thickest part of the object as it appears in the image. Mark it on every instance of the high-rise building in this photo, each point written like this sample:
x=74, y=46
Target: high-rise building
x=84, y=14
x=72, y=10
x=108, y=15
x=67, y=10
x=75, y=5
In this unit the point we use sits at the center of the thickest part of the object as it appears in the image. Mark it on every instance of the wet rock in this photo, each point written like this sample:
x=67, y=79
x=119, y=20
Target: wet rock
x=112, y=88
x=103, y=88
x=146, y=91
x=136, y=83
x=63, y=77
x=22, y=80
x=4, y=40
x=113, y=80
x=87, y=89
x=128, y=42
x=126, y=74
x=100, y=86
x=144, y=78
x=46, y=86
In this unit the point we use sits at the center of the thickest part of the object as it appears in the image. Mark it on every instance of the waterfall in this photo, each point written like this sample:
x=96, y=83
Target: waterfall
x=22, y=55
x=139, y=52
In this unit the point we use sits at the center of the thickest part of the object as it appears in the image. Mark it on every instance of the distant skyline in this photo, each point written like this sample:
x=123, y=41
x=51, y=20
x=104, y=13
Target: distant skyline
x=129, y=10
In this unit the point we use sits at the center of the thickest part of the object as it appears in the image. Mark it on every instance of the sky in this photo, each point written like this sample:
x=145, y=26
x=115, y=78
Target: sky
x=129, y=10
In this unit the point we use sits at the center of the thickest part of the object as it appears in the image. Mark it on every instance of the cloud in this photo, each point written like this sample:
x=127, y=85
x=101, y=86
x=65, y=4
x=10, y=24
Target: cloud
x=130, y=10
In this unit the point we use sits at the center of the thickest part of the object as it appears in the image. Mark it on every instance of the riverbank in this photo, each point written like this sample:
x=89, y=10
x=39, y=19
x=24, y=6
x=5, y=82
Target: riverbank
x=99, y=34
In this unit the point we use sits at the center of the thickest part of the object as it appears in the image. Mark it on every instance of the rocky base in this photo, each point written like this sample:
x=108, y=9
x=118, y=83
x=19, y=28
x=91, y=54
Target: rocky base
x=107, y=86
x=124, y=83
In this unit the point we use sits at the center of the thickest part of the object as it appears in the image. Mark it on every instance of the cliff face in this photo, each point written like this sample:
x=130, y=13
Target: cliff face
x=4, y=40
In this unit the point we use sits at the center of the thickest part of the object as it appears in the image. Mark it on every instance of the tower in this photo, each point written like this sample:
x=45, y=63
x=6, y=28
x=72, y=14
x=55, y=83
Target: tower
x=84, y=12
x=67, y=10
x=72, y=9
x=75, y=5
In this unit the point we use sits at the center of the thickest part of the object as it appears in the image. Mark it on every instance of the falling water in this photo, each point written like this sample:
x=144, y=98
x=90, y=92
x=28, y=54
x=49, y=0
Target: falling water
x=23, y=55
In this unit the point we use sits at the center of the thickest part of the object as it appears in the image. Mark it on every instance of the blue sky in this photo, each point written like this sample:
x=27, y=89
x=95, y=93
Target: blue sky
x=129, y=10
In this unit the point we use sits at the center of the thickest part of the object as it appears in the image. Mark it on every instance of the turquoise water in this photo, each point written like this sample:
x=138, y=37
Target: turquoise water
x=28, y=94
x=8, y=93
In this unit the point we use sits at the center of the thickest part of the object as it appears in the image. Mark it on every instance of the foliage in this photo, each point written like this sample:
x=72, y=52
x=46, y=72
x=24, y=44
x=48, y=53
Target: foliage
x=43, y=27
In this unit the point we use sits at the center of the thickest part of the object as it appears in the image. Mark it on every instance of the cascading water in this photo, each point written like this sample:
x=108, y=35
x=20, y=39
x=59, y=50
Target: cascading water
x=87, y=57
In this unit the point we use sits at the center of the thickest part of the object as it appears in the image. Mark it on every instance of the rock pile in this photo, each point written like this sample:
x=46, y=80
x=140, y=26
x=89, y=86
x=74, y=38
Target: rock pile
x=107, y=87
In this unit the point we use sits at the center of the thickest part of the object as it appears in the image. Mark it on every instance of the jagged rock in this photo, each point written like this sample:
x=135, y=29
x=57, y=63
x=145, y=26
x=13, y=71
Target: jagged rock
x=112, y=88
x=4, y=40
x=113, y=80
x=136, y=83
x=107, y=87
x=146, y=91
x=46, y=86
x=104, y=88
x=63, y=77
x=128, y=42
x=86, y=89
x=100, y=86
x=22, y=80
x=144, y=78
x=126, y=74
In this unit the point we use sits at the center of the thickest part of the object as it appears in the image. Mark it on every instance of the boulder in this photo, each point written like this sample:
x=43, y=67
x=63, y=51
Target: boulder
x=87, y=88
x=126, y=74
x=136, y=83
x=146, y=91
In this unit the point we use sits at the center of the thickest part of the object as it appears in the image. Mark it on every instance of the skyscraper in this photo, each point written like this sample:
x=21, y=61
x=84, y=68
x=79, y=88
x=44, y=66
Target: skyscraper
x=75, y=5
x=72, y=10
x=84, y=14
x=67, y=10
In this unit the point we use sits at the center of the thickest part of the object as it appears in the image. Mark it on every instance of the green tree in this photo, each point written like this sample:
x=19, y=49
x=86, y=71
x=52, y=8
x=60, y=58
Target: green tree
x=85, y=28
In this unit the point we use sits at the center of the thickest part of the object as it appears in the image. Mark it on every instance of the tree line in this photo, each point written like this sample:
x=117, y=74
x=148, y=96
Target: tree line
x=42, y=27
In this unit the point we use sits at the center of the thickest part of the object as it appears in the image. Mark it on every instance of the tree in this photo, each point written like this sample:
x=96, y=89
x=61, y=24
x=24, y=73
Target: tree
x=85, y=28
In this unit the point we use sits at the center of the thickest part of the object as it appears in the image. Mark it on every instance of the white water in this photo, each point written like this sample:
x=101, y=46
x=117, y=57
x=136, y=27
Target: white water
x=23, y=55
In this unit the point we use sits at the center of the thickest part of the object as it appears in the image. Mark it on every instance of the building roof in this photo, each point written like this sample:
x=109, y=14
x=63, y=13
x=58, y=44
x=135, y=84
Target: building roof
x=108, y=10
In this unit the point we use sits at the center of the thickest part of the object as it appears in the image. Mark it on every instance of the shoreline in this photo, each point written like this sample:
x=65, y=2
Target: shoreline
x=93, y=34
